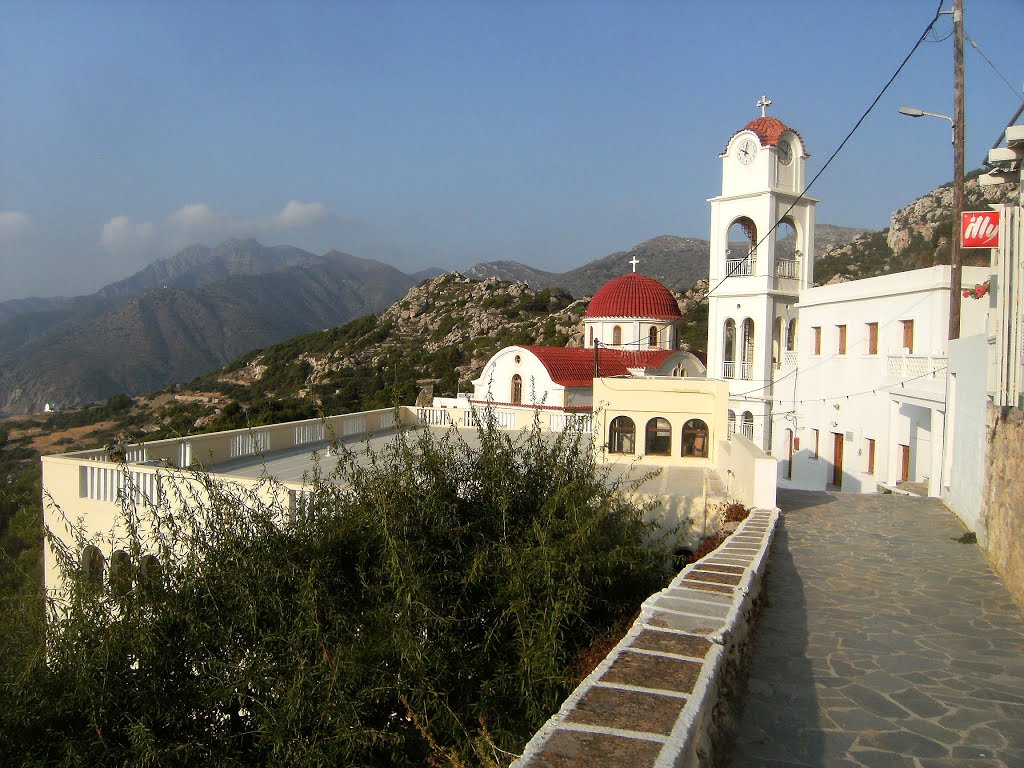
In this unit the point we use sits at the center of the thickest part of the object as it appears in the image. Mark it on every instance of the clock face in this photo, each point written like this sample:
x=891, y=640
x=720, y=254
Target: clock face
x=785, y=152
x=747, y=151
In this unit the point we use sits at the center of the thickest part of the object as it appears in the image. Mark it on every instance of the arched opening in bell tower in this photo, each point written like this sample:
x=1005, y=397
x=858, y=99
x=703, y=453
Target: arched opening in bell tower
x=787, y=249
x=729, y=349
x=747, y=350
x=741, y=248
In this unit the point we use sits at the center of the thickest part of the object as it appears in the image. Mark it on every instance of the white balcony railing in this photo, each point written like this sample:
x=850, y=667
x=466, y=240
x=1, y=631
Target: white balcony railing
x=787, y=268
x=729, y=369
x=747, y=371
x=747, y=430
x=559, y=422
x=789, y=358
x=915, y=366
x=740, y=267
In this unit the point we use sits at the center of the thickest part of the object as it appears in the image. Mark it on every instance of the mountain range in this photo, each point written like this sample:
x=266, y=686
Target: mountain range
x=199, y=309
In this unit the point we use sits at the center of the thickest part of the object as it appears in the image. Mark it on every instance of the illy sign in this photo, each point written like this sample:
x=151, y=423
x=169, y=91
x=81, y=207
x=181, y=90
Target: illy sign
x=979, y=229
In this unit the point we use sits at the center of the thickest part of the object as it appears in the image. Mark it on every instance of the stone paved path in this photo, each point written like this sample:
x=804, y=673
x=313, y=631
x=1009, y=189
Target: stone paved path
x=882, y=642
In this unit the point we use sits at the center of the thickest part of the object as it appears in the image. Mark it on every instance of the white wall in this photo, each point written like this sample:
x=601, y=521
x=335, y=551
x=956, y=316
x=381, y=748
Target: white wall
x=495, y=382
x=964, y=470
x=878, y=407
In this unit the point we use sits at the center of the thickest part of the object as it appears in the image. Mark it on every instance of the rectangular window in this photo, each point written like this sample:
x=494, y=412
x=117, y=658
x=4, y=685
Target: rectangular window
x=908, y=336
x=815, y=435
x=842, y=339
x=872, y=338
x=871, y=455
x=817, y=339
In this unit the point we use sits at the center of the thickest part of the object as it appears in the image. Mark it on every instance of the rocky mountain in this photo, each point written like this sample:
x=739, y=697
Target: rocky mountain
x=677, y=262
x=215, y=305
x=919, y=236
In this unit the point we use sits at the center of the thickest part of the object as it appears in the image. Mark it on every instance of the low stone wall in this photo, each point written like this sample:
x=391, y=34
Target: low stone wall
x=658, y=698
x=1002, y=511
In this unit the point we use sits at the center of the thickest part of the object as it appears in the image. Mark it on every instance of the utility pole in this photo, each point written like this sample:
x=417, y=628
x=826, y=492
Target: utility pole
x=958, y=167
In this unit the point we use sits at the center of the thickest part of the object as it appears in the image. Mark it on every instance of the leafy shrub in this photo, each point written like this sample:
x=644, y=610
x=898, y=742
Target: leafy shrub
x=422, y=606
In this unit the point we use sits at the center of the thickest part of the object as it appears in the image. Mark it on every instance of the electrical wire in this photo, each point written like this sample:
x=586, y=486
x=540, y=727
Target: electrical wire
x=995, y=69
x=863, y=117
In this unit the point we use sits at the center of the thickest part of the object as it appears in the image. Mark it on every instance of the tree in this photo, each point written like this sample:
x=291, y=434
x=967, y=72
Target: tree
x=421, y=608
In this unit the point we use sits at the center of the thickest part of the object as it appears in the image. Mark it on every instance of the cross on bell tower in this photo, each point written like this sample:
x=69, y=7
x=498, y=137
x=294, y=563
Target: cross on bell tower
x=761, y=256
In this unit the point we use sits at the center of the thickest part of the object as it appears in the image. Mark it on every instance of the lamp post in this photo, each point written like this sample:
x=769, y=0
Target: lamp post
x=957, y=121
x=915, y=112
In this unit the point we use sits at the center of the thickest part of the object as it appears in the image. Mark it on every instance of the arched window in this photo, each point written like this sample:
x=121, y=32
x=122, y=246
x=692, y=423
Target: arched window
x=747, y=350
x=622, y=435
x=121, y=572
x=517, y=389
x=791, y=336
x=777, y=328
x=732, y=422
x=617, y=336
x=747, y=425
x=695, y=439
x=658, y=437
x=150, y=572
x=652, y=336
x=729, y=349
x=93, y=564
x=741, y=252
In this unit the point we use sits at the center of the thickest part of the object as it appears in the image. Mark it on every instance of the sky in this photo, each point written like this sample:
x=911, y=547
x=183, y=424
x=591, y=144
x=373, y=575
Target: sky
x=443, y=133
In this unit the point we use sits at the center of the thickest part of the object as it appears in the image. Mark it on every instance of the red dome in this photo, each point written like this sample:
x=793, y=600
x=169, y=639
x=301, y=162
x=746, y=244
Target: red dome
x=633, y=295
x=768, y=130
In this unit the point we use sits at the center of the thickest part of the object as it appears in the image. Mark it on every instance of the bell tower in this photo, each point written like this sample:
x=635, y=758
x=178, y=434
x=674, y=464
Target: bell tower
x=757, y=272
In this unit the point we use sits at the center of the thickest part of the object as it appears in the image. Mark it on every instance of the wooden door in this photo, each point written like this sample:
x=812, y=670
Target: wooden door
x=904, y=463
x=789, y=464
x=837, y=459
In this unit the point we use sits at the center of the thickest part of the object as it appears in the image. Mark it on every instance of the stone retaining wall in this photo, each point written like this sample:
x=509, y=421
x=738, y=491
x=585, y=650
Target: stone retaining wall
x=657, y=699
x=1002, y=511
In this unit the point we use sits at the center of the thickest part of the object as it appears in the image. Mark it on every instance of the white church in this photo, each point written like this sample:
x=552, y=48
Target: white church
x=845, y=385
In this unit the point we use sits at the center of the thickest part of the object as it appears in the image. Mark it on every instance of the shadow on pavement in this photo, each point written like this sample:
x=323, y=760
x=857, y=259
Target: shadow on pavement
x=777, y=721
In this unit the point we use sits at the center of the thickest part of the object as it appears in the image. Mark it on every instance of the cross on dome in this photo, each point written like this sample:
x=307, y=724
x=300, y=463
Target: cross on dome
x=634, y=261
x=764, y=102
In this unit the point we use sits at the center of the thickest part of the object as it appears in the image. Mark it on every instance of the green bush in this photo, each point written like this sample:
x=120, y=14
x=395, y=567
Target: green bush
x=421, y=608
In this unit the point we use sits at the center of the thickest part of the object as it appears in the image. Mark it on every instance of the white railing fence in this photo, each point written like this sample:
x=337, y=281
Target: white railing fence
x=787, y=268
x=740, y=267
x=729, y=369
x=911, y=366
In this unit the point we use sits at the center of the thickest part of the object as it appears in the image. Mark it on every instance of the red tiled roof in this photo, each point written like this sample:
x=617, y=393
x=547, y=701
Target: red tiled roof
x=574, y=367
x=768, y=130
x=633, y=295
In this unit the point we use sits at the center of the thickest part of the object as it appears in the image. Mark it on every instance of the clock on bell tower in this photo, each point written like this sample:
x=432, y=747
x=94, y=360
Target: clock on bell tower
x=762, y=255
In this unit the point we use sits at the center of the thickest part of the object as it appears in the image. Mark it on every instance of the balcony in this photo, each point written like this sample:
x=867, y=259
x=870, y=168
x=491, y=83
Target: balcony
x=787, y=268
x=729, y=369
x=740, y=267
x=925, y=367
x=747, y=371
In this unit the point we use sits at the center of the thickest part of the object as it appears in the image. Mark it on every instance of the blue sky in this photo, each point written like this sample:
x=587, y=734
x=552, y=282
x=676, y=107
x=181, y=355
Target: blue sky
x=445, y=133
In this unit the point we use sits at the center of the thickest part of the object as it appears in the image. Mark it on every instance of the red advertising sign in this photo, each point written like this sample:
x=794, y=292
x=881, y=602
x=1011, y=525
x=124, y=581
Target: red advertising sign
x=979, y=229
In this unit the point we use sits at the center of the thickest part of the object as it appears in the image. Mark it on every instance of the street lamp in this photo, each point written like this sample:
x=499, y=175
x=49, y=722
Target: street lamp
x=958, y=205
x=915, y=112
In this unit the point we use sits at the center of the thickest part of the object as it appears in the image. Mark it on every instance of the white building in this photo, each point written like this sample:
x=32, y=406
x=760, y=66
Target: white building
x=844, y=384
x=862, y=403
x=631, y=328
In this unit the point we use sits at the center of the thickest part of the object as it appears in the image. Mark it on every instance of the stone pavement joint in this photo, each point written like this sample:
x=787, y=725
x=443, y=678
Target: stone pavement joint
x=881, y=642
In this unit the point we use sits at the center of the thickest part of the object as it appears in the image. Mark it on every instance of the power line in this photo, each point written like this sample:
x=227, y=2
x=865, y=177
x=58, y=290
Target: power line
x=995, y=69
x=740, y=262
